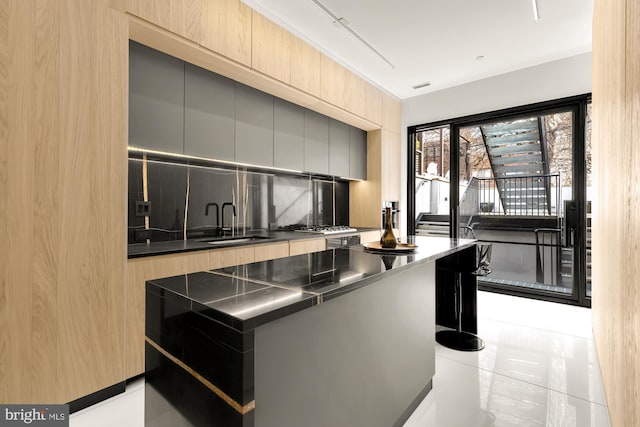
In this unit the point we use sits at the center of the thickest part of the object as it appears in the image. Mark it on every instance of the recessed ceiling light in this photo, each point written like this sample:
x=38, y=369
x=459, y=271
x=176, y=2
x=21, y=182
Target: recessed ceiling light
x=421, y=85
x=479, y=57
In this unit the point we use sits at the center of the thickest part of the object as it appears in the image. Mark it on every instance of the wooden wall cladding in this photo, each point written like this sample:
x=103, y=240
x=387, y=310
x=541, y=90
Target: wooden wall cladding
x=390, y=113
x=179, y=16
x=365, y=197
x=62, y=215
x=305, y=67
x=63, y=168
x=270, y=48
x=226, y=29
x=615, y=222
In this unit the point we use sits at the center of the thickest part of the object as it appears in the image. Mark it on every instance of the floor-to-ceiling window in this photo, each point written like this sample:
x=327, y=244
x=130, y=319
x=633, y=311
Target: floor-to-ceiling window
x=518, y=179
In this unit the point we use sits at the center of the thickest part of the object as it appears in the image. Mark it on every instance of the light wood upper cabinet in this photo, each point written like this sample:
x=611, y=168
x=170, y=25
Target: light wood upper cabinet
x=270, y=48
x=390, y=165
x=179, y=16
x=226, y=29
x=332, y=81
x=373, y=103
x=305, y=67
x=390, y=113
x=355, y=94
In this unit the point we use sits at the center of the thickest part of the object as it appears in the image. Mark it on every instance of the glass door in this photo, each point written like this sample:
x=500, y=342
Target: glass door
x=519, y=189
x=432, y=181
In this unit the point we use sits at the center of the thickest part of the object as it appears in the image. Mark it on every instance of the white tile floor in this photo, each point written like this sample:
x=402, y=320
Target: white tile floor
x=539, y=368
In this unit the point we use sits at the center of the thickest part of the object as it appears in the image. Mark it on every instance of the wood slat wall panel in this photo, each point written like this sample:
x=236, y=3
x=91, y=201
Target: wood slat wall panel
x=109, y=88
x=16, y=299
x=93, y=166
x=6, y=376
x=616, y=225
x=44, y=372
x=633, y=233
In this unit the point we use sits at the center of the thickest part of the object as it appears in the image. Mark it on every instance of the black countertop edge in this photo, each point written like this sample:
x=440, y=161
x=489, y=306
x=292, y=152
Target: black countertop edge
x=243, y=326
x=141, y=250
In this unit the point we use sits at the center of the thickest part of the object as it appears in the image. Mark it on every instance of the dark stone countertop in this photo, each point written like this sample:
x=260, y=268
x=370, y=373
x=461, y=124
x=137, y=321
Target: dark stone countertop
x=246, y=296
x=139, y=250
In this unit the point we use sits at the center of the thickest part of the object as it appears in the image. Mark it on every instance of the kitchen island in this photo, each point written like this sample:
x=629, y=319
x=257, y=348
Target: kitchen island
x=341, y=337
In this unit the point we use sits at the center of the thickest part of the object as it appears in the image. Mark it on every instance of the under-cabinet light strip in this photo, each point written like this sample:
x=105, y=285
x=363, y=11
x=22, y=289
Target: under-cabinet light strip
x=225, y=162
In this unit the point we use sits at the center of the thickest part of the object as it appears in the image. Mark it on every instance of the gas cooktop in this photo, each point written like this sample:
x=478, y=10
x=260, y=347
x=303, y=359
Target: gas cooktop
x=327, y=229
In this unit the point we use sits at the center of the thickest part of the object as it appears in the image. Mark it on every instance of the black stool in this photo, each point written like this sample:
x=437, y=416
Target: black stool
x=459, y=339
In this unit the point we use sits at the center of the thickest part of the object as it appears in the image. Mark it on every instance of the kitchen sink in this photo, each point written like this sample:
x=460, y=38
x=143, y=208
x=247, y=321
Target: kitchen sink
x=237, y=239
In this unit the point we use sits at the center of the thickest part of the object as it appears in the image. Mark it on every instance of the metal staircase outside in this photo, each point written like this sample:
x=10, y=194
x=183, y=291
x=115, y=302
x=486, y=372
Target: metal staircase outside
x=516, y=150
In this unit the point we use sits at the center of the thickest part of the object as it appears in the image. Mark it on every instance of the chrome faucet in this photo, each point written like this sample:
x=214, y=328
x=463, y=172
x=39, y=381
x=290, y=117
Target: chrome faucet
x=233, y=208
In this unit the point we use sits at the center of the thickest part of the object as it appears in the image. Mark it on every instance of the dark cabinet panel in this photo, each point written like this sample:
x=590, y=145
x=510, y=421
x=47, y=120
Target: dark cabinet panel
x=156, y=99
x=288, y=135
x=316, y=142
x=210, y=103
x=338, y=148
x=358, y=153
x=254, y=126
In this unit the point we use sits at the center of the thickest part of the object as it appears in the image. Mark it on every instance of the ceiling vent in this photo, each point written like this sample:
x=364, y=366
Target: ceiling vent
x=421, y=85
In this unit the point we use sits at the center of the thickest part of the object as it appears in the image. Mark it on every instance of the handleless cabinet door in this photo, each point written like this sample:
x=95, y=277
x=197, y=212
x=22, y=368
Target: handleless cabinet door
x=316, y=142
x=358, y=153
x=338, y=148
x=254, y=126
x=288, y=135
x=209, y=114
x=156, y=100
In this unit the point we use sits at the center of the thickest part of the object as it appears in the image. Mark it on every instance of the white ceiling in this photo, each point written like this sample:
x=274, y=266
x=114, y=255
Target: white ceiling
x=437, y=41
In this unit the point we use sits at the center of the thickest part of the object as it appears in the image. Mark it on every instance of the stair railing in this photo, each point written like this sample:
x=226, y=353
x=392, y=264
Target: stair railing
x=548, y=255
x=528, y=195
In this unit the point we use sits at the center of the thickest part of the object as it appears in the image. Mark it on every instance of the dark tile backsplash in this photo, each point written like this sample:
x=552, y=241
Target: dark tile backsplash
x=262, y=200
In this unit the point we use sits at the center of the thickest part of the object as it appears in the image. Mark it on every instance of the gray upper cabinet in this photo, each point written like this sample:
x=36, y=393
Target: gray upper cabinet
x=156, y=100
x=338, y=148
x=316, y=142
x=358, y=153
x=210, y=103
x=288, y=135
x=254, y=126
